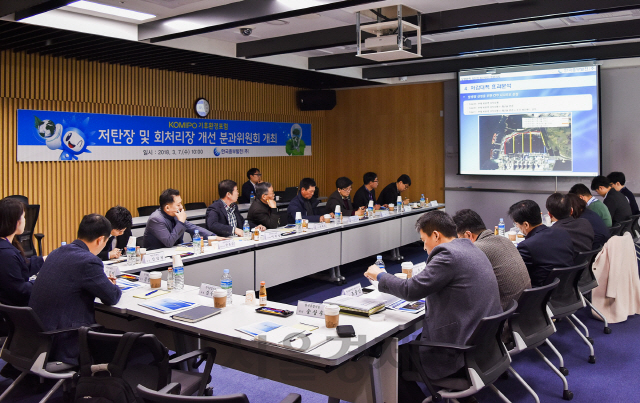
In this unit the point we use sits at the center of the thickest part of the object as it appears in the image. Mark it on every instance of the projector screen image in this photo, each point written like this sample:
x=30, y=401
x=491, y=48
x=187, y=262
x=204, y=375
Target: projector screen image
x=534, y=122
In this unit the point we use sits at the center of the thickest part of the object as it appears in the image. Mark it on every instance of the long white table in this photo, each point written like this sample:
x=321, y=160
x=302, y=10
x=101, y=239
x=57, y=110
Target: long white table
x=360, y=369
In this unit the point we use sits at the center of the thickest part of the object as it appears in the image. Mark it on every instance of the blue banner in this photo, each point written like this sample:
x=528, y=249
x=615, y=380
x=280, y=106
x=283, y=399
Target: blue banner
x=72, y=136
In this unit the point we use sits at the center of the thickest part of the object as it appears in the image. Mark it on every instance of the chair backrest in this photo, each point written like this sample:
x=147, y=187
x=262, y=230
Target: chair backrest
x=140, y=241
x=289, y=194
x=148, y=364
x=195, y=206
x=566, y=298
x=489, y=358
x=22, y=199
x=25, y=341
x=151, y=396
x=587, y=279
x=147, y=210
x=615, y=229
x=530, y=320
x=31, y=213
x=625, y=226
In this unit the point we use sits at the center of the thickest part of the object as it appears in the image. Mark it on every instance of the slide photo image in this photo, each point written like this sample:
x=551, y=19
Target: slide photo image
x=535, y=142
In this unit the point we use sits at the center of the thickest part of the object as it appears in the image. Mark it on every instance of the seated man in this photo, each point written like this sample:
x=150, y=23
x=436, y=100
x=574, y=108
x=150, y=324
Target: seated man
x=581, y=232
x=366, y=192
x=615, y=201
x=263, y=211
x=121, y=221
x=223, y=217
x=459, y=288
x=391, y=192
x=544, y=248
x=593, y=204
x=249, y=186
x=618, y=180
x=579, y=210
x=304, y=203
x=341, y=198
x=70, y=280
x=167, y=225
x=508, y=266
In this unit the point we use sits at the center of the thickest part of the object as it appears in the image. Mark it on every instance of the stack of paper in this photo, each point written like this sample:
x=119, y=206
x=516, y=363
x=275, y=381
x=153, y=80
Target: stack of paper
x=357, y=305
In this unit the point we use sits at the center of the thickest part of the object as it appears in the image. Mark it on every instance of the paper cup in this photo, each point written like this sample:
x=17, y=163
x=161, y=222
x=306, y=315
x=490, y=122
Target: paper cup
x=155, y=279
x=331, y=316
x=219, y=298
x=407, y=268
x=401, y=275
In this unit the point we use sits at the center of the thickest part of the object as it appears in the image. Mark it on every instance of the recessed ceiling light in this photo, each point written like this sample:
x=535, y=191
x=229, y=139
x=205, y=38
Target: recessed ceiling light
x=117, y=11
x=277, y=22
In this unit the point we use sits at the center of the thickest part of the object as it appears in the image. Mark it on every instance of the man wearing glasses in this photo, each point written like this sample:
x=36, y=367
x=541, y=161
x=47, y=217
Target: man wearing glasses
x=366, y=192
x=391, y=192
x=263, y=211
x=341, y=198
x=255, y=176
x=120, y=219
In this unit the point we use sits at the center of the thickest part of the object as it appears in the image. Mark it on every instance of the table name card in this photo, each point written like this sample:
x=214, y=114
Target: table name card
x=268, y=236
x=206, y=290
x=353, y=291
x=227, y=244
x=112, y=271
x=417, y=268
x=144, y=277
x=433, y=203
x=407, y=208
x=384, y=213
x=317, y=225
x=153, y=257
x=312, y=309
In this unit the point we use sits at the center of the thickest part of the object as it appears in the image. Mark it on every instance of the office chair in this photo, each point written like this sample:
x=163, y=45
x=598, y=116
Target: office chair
x=22, y=199
x=195, y=206
x=485, y=359
x=146, y=210
x=168, y=395
x=28, y=346
x=626, y=226
x=635, y=229
x=31, y=213
x=140, y=241
x=531, y=325
x=588, y=282
x=289, y=194
x=566, y=299
x=615, y=230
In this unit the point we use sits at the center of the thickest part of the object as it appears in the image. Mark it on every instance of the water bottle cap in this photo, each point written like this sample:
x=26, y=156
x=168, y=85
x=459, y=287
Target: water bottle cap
x=379, y=257
x=262, y=283
x=225, y=271
x=197, y=232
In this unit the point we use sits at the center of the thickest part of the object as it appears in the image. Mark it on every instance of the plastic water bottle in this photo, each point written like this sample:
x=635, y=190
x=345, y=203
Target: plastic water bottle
x=131, y=255
x=338, y=215
x=370, y=209
x=197, y=243
x=252, y=197
x=226, y=284
x=379, y=262
x=298, y=222
x=501, y=227
x=246, y=229
x=178, y=272
x=423, y=202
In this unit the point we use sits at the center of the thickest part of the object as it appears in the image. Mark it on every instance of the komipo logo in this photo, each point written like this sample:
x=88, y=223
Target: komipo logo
x=216, y=152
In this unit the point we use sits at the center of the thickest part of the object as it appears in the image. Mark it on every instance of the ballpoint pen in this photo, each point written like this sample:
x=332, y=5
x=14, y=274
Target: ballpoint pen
x=295, y=338
x=149, y=293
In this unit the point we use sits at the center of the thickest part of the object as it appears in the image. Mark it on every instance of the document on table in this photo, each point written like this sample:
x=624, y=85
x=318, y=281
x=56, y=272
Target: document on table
x=167, y=305
x=126, y=285
x=407, y=306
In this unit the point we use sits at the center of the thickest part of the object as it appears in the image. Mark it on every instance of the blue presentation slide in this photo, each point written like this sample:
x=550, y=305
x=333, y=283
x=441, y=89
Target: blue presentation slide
x=542, y=121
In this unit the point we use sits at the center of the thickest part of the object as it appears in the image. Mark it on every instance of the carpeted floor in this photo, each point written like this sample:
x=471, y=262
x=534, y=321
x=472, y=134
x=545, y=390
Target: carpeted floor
x=614, y=377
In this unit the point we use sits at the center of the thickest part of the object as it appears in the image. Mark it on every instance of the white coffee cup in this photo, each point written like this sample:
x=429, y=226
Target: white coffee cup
x=331, y=315
x=407, y=268
x=219, y=298
x=338, y=209
x=250, y=297
x=298, y=215
x=155, y=279
x=370, y=203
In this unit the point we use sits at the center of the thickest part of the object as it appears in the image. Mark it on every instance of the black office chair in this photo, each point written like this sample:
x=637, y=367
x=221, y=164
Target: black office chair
x=588, y=282
x=625, y=226
x=531, y=326
x=147, y=210
x=614, y=230
x=22, y=199
x=27, y=349
x=289, y=194
x=31, y=213
x=140, y=241
x=168, y=394
x=485, y=359
x=566, y=299
x=635, y=229
x=151, y=366
x=195, y=206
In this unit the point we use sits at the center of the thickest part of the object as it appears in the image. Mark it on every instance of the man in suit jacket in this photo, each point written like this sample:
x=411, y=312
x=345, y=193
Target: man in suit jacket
x=255, y=176
x=581, y=232
x=458, y=285
x=341, y=198
x=305, y=203
x=391, y=192
x=615, y=201
x=70, y=280
x=544, y=248
x=366, y=192
x=264, y=211
x=618, y=180
x=167, y=225
x=121, y=221
x=508, y=266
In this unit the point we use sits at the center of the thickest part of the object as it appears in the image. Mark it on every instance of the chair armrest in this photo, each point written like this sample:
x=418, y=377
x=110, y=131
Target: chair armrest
x=193, y=354
x=171, y=389
x=39, y=239
x=38, y=236
x=424, y=343
x=71, y=329
x=292, y=398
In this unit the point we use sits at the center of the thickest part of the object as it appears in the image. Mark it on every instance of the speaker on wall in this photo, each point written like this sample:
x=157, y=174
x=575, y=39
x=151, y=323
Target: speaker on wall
x=316, y=100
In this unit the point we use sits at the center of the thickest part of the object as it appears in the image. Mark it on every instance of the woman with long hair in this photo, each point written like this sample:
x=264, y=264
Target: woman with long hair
x=15, y=268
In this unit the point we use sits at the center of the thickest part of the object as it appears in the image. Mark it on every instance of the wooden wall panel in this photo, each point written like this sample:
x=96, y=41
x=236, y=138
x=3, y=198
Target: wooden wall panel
x=391, y=131
x=68, y=190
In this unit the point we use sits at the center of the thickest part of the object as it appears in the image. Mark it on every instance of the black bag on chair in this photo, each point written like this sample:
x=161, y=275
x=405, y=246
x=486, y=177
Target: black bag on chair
x=103, y=383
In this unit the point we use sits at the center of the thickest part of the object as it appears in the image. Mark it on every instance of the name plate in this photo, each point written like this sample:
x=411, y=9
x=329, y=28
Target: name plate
x=317, y=225
x=311, y=309
x=153, y=257
x=268, y=236
x=206, y=290
x=353, y=291
x=407, y=208
x=112, y=271
x=384, y=213
x=417, y=268
x=433, y=203
x=353, y=219
x=144, y=277
x=228, y=244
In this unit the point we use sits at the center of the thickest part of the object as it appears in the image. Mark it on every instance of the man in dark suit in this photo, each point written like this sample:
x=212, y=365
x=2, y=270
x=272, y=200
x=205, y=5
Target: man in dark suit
x=544, y=248
x=581, y=232
x=223, y=217
x=70, y=280
x=255, y=176
x=459, y=288
x=391, y=192
x=618, y=180
x=263, y=211
x=341, y=198
x=121, y=221
x=366, y=192
x=579, y=210
x=615, y=201
x=305, y=203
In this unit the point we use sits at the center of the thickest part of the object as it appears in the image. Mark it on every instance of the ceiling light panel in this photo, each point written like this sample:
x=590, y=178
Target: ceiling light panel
x=110, y=10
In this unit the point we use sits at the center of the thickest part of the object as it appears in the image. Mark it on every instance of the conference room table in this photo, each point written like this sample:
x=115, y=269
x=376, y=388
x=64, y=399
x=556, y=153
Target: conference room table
x=359, y=369
x=277, y=261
